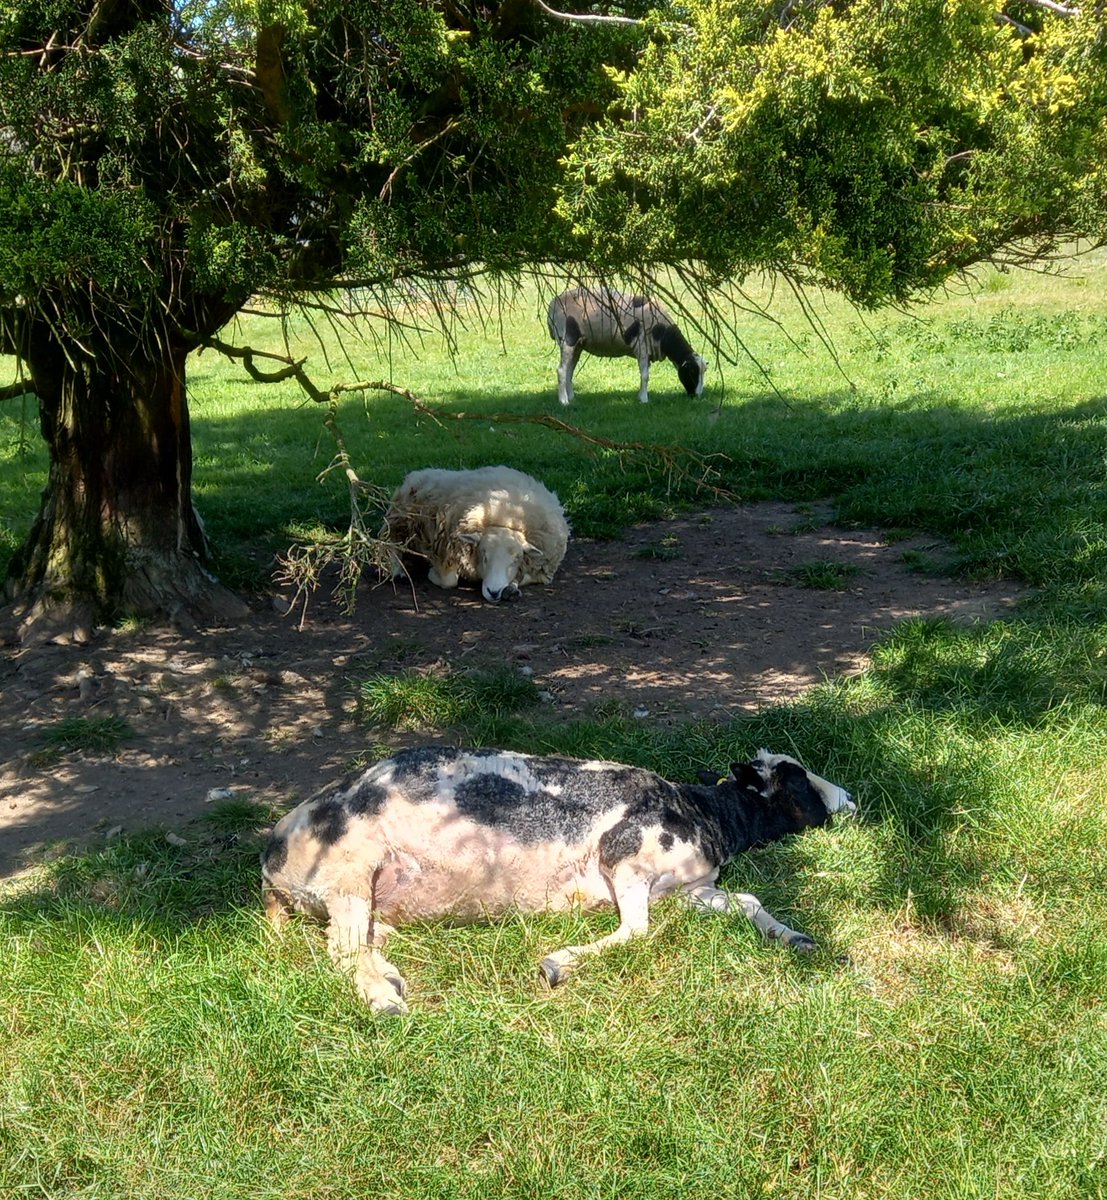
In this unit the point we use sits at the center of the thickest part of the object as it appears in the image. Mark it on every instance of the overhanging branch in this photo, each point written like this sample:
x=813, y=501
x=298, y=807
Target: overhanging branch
x=12, y=391
x=293, y=368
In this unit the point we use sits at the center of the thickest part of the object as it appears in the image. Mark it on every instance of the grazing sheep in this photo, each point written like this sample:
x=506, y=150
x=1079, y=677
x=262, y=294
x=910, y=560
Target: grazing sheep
x=493, y=524
x=466, y=835
x=612, y=324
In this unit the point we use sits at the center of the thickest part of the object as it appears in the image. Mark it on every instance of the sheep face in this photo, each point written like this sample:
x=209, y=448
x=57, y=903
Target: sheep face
x=499, y=555
x=691, y=373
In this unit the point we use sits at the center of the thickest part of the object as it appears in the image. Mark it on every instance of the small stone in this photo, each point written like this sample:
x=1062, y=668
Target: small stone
x=175, y=839
x=641, y=712
x=113, y=833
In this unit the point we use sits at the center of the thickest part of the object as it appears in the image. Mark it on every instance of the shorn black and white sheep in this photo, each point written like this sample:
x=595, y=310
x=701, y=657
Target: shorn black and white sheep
x=612, y=324
x=467, y=835
x=492, y=524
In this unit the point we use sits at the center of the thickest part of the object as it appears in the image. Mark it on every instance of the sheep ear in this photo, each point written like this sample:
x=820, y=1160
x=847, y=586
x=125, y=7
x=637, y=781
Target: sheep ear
x=747, y=776
x=529, y=549
x=470, y=539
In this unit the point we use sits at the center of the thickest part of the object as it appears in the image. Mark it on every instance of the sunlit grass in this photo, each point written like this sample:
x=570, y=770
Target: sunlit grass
x=947, y=1039
x=427, y=700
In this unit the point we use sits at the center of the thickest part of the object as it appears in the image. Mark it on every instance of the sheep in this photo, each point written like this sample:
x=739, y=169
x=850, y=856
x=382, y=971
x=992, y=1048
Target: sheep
x=612, y=324
x=437, y=832
x=492, y=524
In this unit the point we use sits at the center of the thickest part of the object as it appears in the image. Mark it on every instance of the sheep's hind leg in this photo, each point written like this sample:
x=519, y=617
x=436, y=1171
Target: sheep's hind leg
x=717, y=900
x=570, y=356
x=633, y=901
x=353, y=941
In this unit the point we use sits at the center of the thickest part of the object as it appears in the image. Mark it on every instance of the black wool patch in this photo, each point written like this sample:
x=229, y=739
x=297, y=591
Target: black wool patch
x=621, y=841
x=276, y=854
x=329, y=821
x=366, y=799
x=419, y=759
x=666, y=841
x=631, y=332
x=491, y=799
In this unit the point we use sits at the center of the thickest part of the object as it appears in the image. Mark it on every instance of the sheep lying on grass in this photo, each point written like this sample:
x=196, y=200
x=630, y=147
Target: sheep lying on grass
x=492, y=524
x=437, y=832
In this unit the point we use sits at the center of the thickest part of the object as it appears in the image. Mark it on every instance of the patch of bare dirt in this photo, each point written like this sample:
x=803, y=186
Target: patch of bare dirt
x=695, y=617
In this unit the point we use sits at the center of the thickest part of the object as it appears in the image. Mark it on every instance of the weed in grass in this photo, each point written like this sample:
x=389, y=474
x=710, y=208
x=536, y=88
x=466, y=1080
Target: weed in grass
x=91, y=735
x=132, y=624
x=440, y=700
x=826, y=576
x=665, y=550
x=236, y=815
x=934, y=561
x=592, y=641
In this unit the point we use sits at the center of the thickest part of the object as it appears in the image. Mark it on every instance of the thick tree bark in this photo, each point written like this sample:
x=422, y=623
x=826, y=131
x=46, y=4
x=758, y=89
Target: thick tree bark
x=116, y=533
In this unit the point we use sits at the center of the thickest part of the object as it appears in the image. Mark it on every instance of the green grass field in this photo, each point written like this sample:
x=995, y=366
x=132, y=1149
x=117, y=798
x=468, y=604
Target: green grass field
x=949, y=1039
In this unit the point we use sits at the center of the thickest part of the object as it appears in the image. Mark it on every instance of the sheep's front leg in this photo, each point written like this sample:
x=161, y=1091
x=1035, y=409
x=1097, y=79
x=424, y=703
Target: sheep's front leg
x=570, y=356
x=644, y=379
x=353, y=941
x=708, y=897
x=441, y=577
x=633, y=902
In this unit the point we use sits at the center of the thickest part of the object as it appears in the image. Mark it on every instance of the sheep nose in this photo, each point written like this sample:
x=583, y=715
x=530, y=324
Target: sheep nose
x=510, y=592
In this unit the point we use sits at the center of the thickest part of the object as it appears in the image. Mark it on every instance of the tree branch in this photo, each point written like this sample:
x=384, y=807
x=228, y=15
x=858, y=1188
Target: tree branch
x=12, y=391
x=584, y=18
x=294, y=368
x=1062, y=10
x=357, y=549
x=680, y=464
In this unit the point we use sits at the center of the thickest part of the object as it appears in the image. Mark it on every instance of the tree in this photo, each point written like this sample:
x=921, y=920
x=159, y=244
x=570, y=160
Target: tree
x=163, y=161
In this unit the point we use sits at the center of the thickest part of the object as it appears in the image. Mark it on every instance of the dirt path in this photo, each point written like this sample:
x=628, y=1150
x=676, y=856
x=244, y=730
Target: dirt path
x=690, y=618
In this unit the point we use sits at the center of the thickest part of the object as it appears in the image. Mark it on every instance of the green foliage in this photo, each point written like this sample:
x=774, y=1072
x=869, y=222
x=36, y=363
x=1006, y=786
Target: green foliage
x=876, y=147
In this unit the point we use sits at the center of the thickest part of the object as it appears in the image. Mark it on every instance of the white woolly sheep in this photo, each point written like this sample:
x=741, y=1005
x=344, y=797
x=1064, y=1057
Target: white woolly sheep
x=492, y=524
x=612, y=324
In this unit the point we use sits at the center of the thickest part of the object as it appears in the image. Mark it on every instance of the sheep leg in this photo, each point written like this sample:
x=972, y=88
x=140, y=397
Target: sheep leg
x=278, y=906
x=644, y=372
x=715, y=899
x=570, y=356
x=353, y=941
x=440, y=576
x=633, y=900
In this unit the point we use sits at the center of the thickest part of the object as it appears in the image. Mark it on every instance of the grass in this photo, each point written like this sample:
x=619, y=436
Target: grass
x=819, y=575
x=422, y=700
x=947, y=1040
x=94, y=735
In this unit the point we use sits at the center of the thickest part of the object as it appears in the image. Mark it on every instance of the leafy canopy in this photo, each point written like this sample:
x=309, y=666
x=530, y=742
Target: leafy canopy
x=163, y=160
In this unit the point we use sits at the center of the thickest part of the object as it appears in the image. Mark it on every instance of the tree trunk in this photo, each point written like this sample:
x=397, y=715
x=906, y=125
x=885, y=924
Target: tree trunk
x=116, y=533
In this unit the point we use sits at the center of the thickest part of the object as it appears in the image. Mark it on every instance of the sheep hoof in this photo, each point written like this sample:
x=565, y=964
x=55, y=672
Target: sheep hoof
x=551, y=971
